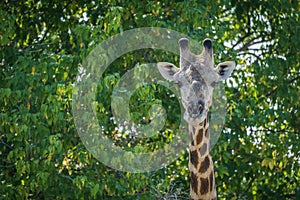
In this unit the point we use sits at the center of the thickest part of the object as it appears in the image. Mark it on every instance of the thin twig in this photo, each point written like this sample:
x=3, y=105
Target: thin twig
x=275, y=89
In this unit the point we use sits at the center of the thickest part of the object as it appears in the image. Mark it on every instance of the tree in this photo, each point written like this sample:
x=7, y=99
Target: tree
x=44, y=43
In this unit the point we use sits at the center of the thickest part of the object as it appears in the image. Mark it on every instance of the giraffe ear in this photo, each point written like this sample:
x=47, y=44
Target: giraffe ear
x=167, y=70
x=225, y=69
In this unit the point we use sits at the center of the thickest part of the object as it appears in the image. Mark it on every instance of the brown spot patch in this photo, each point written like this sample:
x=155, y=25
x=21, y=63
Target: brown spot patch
x=207, y=118
x=201, y=124
x=204, y=185
x=194, y=158
x=192, y=139
x=207, y=132
x=203, y=149
x=211, y=181
x=193, y=128
x=199, y=136
x=194, y=183
x=204, y=165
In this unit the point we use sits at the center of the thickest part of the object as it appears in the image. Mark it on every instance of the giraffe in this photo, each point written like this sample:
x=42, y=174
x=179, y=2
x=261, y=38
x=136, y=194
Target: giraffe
x=196, y=79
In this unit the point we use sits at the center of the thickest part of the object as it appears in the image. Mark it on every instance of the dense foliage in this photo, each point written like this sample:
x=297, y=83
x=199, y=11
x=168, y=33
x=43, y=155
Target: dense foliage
x=42, y=45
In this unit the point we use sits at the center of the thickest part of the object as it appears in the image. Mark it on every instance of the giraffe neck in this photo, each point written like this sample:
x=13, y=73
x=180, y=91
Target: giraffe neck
x=202, y=184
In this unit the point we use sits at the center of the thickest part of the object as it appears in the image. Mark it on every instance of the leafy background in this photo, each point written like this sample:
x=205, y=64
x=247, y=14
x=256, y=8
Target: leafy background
x=42, y=45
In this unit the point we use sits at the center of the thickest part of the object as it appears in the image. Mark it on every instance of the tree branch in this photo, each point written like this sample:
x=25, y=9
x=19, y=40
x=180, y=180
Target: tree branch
x=67, y=177
x=294, y=79
x=250, y=183
x=241, y=40
x=275, y=89
x=249, y=53
x=290, y=196
x=249, y=43
x=271, y=92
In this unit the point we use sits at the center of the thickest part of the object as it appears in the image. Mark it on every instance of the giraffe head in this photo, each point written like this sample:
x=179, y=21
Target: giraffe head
x=196, y=78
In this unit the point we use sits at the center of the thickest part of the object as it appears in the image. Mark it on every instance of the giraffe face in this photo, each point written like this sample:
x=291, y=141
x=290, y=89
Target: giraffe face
x=196, y=78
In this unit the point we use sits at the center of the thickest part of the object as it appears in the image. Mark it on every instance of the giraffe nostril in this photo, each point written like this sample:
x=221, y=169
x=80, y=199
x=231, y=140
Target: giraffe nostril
x=195, y=109
x=200, y=108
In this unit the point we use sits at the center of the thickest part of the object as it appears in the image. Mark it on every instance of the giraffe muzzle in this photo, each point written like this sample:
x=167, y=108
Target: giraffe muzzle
x=195, y=109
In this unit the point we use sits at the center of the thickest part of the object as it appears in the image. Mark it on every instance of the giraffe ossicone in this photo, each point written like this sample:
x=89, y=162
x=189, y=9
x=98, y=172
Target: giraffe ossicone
x=196, y=78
